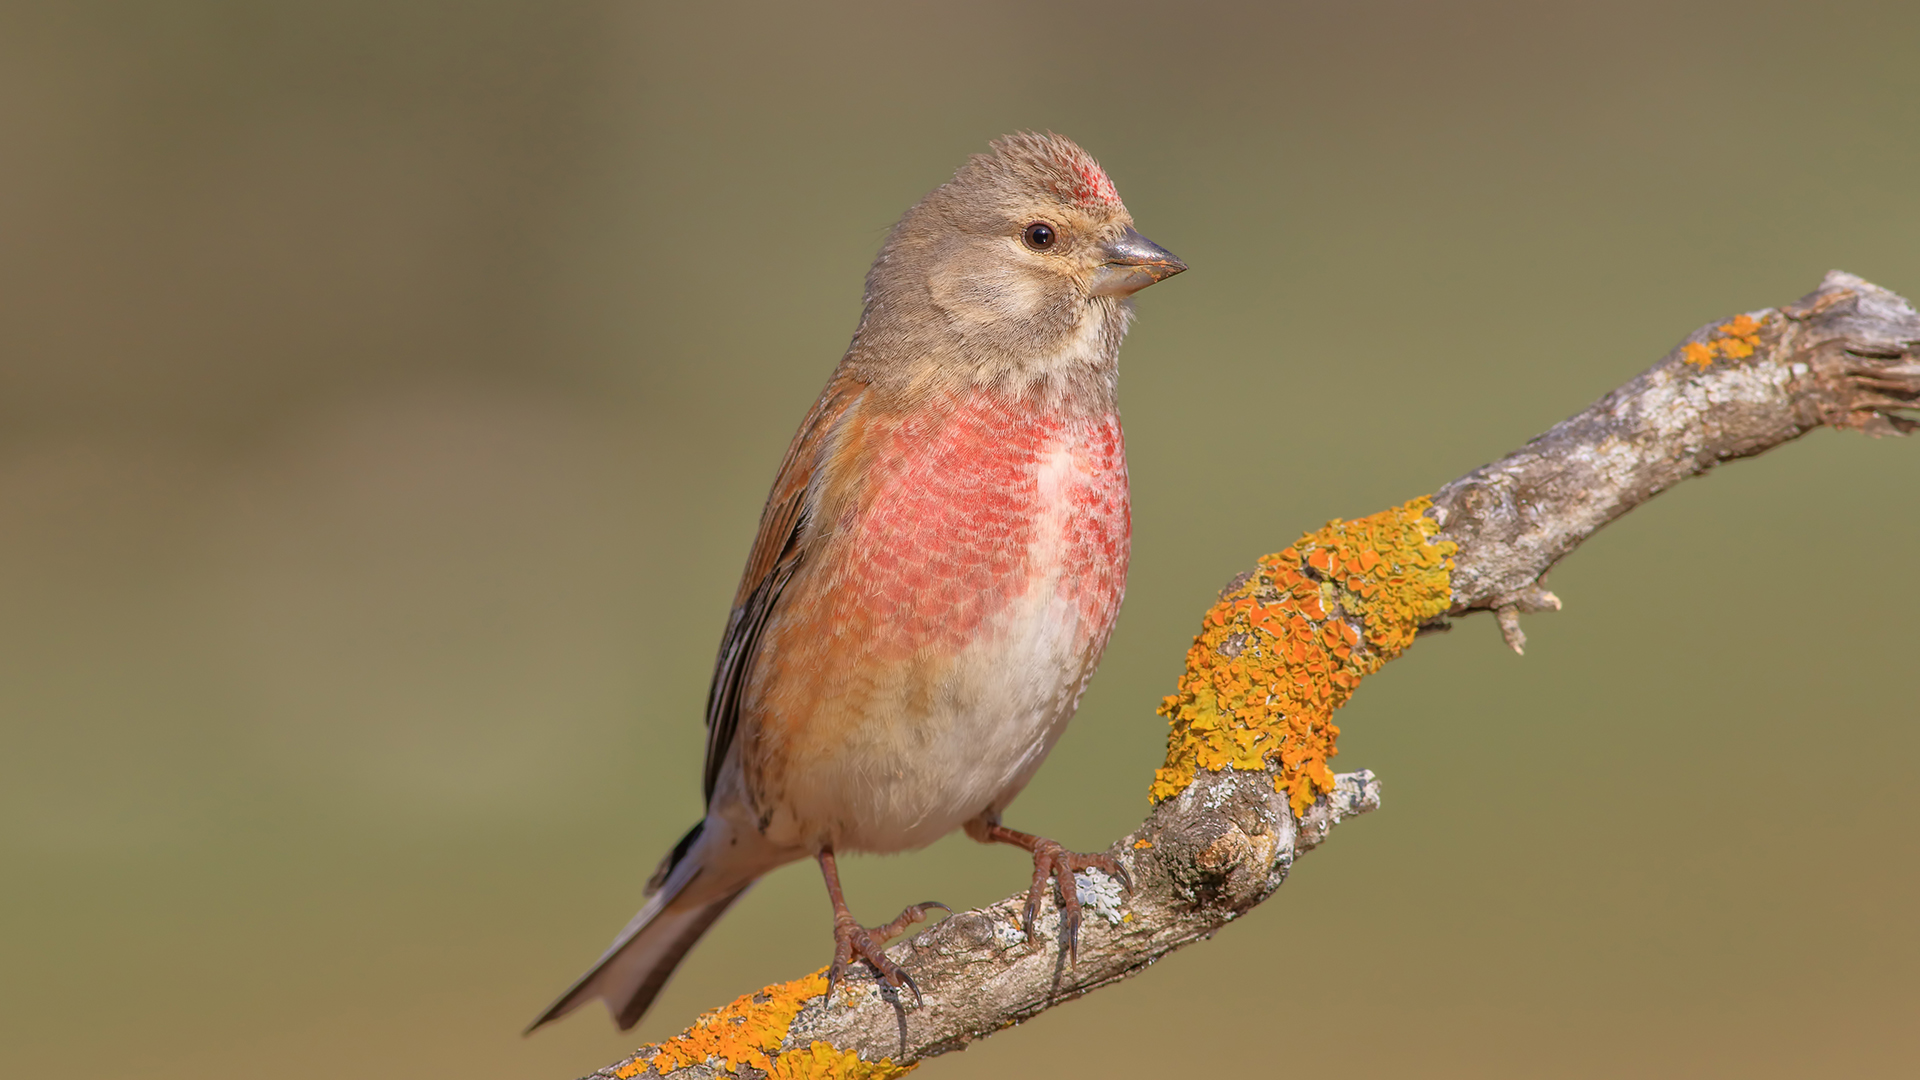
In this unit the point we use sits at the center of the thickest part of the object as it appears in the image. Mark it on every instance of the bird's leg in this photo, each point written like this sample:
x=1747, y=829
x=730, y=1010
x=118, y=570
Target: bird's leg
x=1055, y=864
x=852, y=941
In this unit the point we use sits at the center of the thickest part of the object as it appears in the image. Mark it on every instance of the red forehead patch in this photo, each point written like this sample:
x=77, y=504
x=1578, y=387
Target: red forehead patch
x=1090, y=184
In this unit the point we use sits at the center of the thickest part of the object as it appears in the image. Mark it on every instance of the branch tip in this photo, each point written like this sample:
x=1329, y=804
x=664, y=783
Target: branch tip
x=1508, y=617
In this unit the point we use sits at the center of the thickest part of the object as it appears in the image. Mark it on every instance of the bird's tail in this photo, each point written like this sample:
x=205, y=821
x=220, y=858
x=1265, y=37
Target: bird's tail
x=687, y=896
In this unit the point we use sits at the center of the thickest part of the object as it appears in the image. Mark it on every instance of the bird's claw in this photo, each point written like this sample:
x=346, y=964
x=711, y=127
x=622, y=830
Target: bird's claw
x=908, y=917
x=851, y=942
x=1053, y=864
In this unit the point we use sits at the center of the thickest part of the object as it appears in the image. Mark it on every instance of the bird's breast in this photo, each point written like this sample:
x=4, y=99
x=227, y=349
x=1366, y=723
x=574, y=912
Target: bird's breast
x=945, y=628
x=983, y=517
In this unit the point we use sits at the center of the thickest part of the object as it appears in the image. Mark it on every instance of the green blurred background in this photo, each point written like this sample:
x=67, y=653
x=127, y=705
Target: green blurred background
x=389, y=391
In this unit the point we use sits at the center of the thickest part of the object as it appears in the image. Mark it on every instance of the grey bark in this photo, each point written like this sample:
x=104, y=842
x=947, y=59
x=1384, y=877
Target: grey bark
x=1845, y=356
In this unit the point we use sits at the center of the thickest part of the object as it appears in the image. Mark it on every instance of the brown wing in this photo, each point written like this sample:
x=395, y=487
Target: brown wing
x=775, y=556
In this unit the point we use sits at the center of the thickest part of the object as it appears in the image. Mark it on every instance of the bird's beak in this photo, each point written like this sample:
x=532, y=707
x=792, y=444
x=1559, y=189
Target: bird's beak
x=1132, y=263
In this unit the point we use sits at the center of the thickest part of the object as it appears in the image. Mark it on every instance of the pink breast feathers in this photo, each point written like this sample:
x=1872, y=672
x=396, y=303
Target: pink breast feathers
x=973, y=511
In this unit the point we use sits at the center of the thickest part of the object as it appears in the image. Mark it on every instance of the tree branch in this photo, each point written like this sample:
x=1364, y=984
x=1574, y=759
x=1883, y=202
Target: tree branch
x=1844, y=357
x=1223, y=838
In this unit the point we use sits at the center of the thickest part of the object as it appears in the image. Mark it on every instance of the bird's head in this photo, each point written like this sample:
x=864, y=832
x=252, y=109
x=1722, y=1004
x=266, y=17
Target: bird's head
x=1017, y=268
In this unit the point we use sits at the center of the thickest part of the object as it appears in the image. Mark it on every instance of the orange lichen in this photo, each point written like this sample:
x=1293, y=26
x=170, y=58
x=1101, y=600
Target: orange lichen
x=1740, y=337
x=822, y=1061
x=1288, y=644
x=746, y=1032
x=749, y=1032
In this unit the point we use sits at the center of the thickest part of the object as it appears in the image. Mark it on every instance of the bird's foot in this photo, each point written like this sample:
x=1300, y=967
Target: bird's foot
x=851, y=942
x=1056, y=865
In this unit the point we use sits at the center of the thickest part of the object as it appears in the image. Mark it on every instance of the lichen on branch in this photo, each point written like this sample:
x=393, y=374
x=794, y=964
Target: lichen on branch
x=1290, y=641
x=1735, y=340
x=749, y=1032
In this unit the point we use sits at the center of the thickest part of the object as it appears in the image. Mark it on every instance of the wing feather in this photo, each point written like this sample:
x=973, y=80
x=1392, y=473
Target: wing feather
x=777, y=553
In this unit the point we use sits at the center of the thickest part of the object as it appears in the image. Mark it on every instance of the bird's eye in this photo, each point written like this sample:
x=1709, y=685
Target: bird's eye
x=1039, y=236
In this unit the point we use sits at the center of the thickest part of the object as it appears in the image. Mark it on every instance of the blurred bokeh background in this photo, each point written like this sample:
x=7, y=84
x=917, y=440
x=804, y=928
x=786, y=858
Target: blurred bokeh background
x=388, y=391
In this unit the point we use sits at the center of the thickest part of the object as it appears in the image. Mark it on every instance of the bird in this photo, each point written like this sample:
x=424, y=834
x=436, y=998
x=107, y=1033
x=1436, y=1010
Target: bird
x=937, y=571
